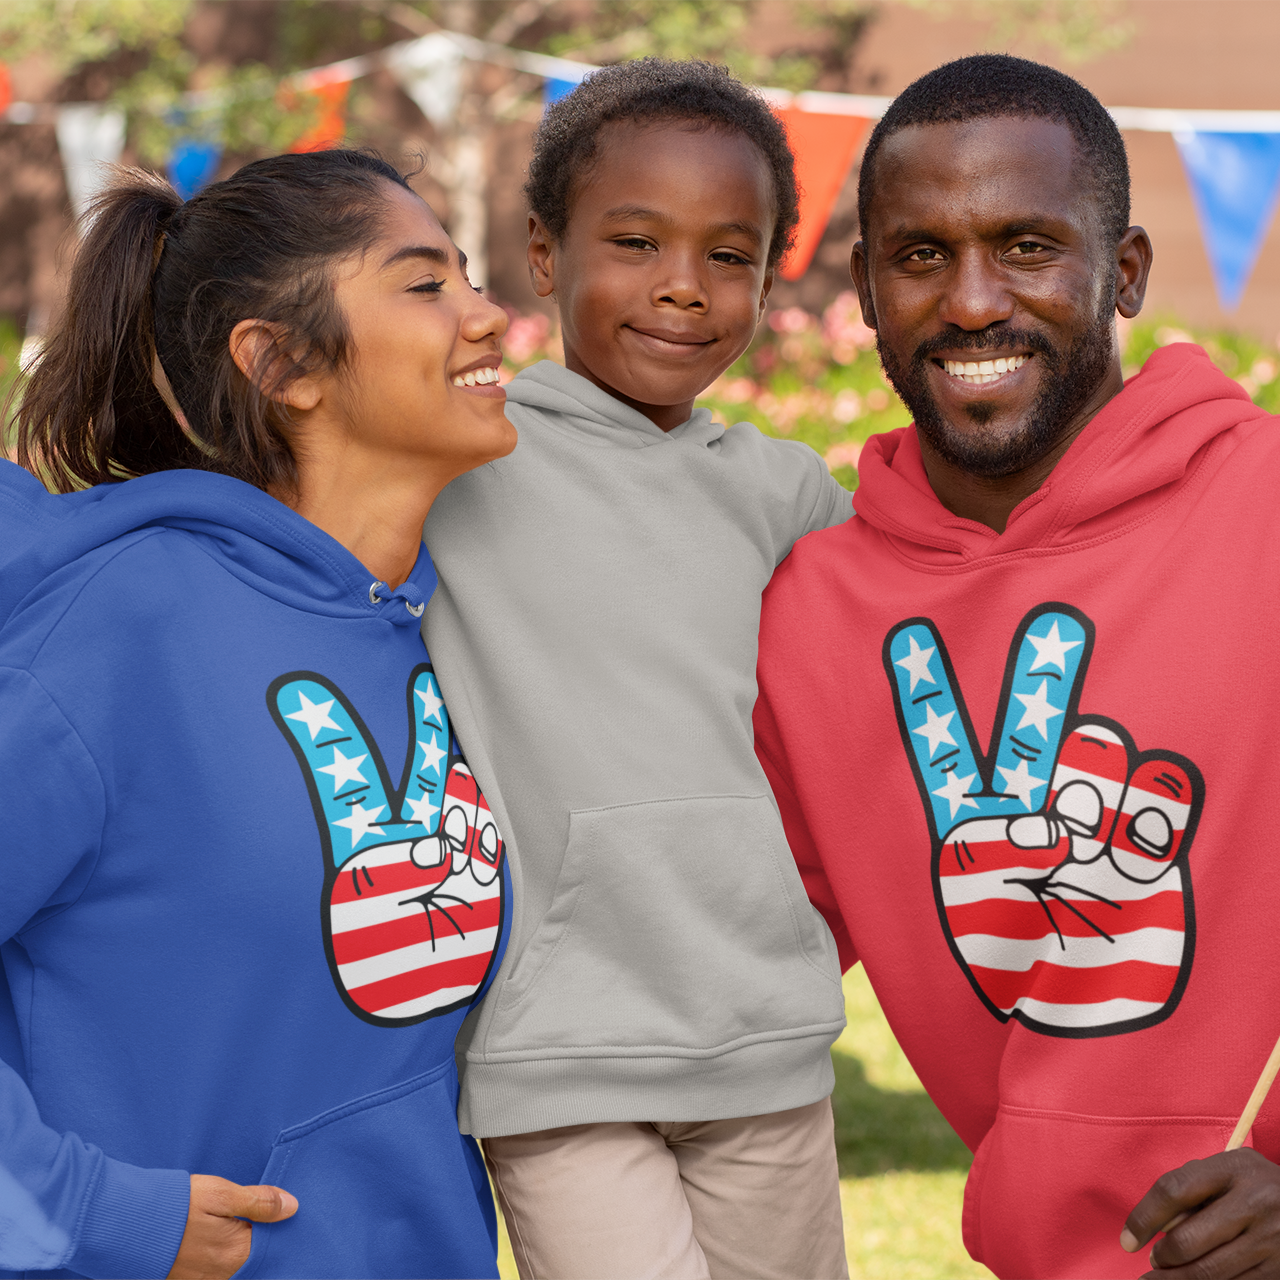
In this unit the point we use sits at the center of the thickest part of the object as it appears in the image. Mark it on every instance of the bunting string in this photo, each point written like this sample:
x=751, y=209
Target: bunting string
x=1231, y=158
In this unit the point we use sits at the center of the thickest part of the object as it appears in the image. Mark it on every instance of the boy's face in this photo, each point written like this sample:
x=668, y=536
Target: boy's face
x=661, y=277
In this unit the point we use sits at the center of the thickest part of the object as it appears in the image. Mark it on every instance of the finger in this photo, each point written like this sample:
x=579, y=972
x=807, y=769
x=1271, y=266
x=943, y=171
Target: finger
x=1088, y=785
x=262, y=1204
x=1158, y=815
x=934, y=724
x=1181, y=1190
x=427, y=764
x=339, y=760
x=1047, y=661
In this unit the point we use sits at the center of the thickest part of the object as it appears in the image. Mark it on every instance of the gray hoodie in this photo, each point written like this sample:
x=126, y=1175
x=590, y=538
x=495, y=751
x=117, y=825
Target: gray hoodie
x=594, y=631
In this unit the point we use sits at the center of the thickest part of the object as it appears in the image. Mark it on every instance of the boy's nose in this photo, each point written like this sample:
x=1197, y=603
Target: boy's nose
x=681, y=285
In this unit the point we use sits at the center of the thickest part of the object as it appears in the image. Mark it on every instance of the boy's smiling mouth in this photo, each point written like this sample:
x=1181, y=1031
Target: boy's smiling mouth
x=671, y=341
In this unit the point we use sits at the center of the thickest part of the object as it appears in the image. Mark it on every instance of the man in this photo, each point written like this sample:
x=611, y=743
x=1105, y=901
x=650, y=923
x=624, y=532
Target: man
x=1071, y=931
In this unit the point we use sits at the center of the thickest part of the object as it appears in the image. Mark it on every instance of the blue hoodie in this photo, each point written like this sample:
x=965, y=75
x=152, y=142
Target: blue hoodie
x=251, y=891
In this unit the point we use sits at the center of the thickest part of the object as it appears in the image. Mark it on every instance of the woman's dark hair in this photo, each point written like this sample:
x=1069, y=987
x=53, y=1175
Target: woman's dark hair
x=155, y=276
x=646, y=91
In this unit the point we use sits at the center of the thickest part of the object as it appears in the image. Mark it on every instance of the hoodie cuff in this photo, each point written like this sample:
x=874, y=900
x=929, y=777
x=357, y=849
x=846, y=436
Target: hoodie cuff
x=133, y=1223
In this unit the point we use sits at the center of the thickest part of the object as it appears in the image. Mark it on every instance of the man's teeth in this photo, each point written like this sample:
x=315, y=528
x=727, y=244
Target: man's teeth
x=979, y=371
x=477, y=378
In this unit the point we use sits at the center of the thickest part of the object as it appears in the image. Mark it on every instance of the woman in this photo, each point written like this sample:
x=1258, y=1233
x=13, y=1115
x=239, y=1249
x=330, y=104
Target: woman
x=240, y=937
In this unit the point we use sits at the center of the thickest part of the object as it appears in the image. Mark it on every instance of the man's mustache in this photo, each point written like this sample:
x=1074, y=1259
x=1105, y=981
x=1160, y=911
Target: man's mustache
x=992, y=338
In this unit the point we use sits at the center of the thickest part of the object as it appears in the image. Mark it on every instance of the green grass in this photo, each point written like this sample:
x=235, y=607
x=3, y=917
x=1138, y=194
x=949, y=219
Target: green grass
x=902, y=1168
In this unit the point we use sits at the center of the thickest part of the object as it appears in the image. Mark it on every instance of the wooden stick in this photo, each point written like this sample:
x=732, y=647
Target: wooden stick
x=1256, y=1099
x=1247, y=1116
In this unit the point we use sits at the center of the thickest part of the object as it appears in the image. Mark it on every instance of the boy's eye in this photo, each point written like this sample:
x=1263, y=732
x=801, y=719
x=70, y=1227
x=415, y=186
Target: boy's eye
x=633, y=242
x=730, y=257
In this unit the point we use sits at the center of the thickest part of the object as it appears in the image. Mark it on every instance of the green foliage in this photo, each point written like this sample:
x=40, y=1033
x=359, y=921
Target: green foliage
x=72, y=32
x=711, y=29
x=1077, y=29
x=10, y=346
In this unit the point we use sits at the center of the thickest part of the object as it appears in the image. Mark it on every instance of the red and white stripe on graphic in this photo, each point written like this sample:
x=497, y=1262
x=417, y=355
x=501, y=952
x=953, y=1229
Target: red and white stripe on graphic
x=407, y=939
x=1095, y=946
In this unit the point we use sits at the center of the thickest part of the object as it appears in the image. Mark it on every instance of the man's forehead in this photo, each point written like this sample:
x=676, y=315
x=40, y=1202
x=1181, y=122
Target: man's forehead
x=1002, y=171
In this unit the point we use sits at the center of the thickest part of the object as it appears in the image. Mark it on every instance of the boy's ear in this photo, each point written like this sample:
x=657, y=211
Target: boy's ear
x=258, y=349
x=764, y=293
x=541, y=254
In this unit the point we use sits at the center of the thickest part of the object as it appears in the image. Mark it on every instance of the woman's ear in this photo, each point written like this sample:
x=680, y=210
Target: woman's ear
x=258, y=350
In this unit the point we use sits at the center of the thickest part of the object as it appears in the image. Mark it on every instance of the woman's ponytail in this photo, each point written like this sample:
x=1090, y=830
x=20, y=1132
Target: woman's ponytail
x=156, y=290
x=90, y=411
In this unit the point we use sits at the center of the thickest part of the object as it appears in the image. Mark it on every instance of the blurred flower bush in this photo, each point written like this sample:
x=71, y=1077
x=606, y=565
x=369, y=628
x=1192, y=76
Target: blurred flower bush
x=818, y=378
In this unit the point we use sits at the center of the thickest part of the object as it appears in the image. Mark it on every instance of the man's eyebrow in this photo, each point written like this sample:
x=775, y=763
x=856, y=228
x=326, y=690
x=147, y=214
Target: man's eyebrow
x=429, y=252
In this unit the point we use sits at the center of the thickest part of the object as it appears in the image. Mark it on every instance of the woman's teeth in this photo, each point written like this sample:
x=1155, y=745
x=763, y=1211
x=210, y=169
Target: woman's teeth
x=477, y=378
x=979, y=371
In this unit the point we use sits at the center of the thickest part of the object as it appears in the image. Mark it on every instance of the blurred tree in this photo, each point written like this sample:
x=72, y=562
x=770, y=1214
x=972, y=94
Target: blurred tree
x=1077, y=29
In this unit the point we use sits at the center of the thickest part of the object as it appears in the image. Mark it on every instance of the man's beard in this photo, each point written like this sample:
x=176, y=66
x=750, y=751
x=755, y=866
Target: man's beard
x=1067, y=381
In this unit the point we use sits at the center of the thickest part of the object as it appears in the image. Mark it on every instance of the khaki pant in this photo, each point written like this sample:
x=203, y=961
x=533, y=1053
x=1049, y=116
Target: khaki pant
x=749, y=1199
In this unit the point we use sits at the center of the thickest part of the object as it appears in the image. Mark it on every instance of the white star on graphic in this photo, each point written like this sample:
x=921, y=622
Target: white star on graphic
x=1038, y=710
x=431, y=755
x=430, y=703
x=916, y=663
x=423, y=810
x=360, y=823
x=1051, y=648
x=934, y=729
x=953, y=792
x=1018, y=782
x=315, y=715
x=344, y=769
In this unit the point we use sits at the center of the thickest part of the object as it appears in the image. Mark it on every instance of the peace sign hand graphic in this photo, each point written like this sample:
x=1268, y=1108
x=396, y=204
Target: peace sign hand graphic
x=413, y=898
x=1059, y=859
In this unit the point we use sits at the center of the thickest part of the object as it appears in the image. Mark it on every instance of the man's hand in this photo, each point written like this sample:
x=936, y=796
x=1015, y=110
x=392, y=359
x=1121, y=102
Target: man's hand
x=215, y=1244
x=1232, y=1227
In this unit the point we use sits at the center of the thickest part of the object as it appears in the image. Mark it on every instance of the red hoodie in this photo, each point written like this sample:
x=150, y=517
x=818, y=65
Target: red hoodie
x=1025, y=776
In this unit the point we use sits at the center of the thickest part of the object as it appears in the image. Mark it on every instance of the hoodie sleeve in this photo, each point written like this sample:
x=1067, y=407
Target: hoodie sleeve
x=63, y=1202
x=803, y=849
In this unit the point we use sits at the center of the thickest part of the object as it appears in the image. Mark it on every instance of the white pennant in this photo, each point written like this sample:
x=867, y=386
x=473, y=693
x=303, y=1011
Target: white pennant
x=90, y=136
x=430, y=69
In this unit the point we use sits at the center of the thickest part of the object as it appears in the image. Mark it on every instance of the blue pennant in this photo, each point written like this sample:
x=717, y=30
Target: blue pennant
x=193, y=164
x=1235, y=179
x=554, y=90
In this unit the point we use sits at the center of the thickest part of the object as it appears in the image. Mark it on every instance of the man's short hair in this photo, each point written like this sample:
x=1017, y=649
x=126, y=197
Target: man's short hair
x=649, y=91
x=995, y=84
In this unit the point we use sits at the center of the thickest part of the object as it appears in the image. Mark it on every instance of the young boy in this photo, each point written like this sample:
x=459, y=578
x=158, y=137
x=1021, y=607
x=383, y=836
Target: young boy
x=650, y=1074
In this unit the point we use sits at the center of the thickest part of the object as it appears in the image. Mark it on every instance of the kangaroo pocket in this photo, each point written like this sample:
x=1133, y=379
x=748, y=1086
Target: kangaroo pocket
x=386, y=1186
x=1049, y=1191
x=676, y=925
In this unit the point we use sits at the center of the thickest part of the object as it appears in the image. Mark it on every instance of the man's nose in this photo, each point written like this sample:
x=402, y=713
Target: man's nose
x=976, y=293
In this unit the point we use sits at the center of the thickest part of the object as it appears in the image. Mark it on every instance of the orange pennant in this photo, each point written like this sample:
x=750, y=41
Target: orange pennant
x=824, y=147
x=331, y=127
x=6, y=88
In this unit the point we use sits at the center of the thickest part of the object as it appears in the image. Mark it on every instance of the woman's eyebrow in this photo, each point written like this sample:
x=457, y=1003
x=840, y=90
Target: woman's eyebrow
x=429, y=252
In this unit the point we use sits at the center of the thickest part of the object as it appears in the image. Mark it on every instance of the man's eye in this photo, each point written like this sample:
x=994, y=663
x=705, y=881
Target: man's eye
x=924, y=255
x=1025, y=247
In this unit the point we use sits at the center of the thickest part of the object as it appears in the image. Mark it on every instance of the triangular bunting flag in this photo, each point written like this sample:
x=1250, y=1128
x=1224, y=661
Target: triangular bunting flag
x=1235, y=179
x=554, y=90
x=430, y=70
x=824, y=147
x=331, y=127
x=89, y=137
x=193, y=164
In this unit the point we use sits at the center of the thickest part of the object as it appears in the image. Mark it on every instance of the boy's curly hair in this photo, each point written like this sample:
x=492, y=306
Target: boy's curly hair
x=647, y=90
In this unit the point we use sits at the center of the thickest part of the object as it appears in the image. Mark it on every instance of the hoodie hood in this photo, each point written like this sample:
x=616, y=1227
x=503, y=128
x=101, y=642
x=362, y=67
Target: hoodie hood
x=1135, y=454
x=595, y=413
x=254, y=536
